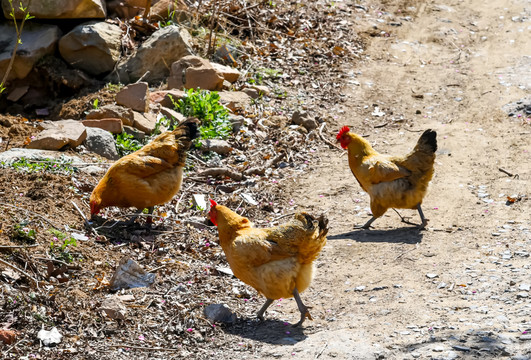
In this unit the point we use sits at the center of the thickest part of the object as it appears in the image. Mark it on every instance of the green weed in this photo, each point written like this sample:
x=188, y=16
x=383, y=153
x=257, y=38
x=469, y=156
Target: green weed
x=21, y=233
x=62, y=251
x=58, y=166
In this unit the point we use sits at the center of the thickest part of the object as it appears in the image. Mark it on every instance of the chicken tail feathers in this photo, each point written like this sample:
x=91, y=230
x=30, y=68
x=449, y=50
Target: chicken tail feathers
x=188, y=129
x=428, y=141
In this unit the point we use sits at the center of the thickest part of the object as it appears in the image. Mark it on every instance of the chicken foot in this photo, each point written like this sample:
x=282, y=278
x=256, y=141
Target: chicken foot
x=260, y=313
x=302, y=308
x=367, y=224
x=422, y=218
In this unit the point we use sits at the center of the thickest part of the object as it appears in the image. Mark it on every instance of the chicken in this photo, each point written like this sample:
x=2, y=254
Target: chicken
x=391, y=181
x=278, y=261
x=149, y=176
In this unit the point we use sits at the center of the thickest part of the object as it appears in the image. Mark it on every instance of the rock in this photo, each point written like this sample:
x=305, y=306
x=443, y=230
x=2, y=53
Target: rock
x=303, y=118
x=522, y=295
x=261, y=89
x=94, y=47
x=276, y=121
x=113, y=111
x=218, y=146
x=137, y=134
x=15, y=154
x=235, y=100
x=151, y=59
x=145, y=122
x=102, y=143
x=229, y=73
x=61, y=9
x=461, y=348
x=17, y=93
x=219, y=313
x=135, y=96
x=164, y=97
x=524, y=287
x=253, y=93
x=193, y=72
x=51, y=337
x=112, y=125
x=525, y=337
x=114, y=308
x=60, y=134
x=38, y=40
x=130, y=275
x=173, y=115
x=431, y=276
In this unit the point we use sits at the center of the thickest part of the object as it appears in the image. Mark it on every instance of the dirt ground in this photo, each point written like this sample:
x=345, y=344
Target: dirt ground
x=459, y=289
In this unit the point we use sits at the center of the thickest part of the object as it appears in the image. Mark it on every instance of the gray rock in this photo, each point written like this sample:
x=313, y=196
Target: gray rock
x=38, y=40
x=59, y=134
x=112, y=111
x=15, y=154
x=218, y=146
x=134, y=96
x=220, y=313
x=151, y=60
x=130, y=275
x=193, y=72
x=94, y=47
x=237, y=122
x=461, y=348
x=101, y=142
x=302, y=118
x=61, y=9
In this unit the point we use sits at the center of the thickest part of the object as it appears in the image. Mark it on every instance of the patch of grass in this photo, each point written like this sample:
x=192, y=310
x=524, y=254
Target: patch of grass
x=57, y=166
x=61, y=251
x=260, y=74
x=205, y=105
x=21, y=233
x=127, y=144
x=114, y=87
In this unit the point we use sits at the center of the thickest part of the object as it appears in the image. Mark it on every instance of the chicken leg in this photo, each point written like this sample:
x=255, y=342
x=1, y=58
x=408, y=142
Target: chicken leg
x=302, y=308
x=367, y=224
x=260, y=313
x=422, y=218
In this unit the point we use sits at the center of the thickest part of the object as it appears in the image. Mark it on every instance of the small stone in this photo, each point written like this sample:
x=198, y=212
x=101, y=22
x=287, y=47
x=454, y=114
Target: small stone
x=525, y=337
x=522, y=295
x=461, y=348
x=113, y=125
x=524, y=287
x=134, y=96
x=113, y=308
x=220, y=313
x=431, y=276
x=145, y=122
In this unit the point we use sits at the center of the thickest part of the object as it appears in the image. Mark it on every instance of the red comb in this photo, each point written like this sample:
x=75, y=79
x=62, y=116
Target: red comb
x=343, y=131
x=213, y=203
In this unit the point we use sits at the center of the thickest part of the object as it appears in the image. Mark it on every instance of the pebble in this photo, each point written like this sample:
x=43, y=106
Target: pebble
x=525, y=337
x=431, y=276
x=524, y=287
x=461, y=348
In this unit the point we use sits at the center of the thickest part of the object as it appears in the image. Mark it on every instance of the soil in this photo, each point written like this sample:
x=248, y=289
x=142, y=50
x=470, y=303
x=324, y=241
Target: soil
x=458, y=289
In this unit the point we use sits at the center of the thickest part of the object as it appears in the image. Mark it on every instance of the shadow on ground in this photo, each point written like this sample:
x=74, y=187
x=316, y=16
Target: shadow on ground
x=405, y=235
x=269, y=331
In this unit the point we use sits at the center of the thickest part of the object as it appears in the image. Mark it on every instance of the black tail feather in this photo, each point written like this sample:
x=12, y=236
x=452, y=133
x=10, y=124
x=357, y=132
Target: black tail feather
x=429, y=137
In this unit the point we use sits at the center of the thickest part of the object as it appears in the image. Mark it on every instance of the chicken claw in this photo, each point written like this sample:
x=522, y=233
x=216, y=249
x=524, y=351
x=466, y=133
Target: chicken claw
x=260, y=313
x=302, y=308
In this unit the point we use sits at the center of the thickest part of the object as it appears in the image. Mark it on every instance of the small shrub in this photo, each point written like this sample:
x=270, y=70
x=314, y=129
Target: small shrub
x=21, y=233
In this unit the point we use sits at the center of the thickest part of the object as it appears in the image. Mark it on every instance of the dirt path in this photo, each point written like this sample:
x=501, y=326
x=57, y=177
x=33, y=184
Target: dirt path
x=459, y=289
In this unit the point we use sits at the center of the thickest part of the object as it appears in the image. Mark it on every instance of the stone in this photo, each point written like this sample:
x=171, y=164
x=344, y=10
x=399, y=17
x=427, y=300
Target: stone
x=101, y=142
x=58, y=134
x=137, y=134
x=60, y=9
x=302, y=118
x=93, y=47
x=229, y=73
x=151, y=60
x=38, y=40
x=145, y=122
x=130, y=275
x=276, y=121
x=192, y=72
x=51, y=337
x=235, y=100
x=17, y=93
x=135, y=97
x=113, y=308
x=113, y=111
x=15, y=154
x=252, y=93
x=218, y=146
x=261, y=89
x=237, y=122
x=113, y=125
x=173, y=115
x=219, y=313
x=164, y=97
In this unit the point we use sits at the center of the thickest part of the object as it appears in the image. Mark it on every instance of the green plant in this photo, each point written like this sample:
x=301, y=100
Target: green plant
x=205, y=105
x=126, y=144
x=21, y=233
x=18, y=30
x=95, y=104
x=58, y=166
x=114, y=87
x=62, y=252
x=260, y=74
